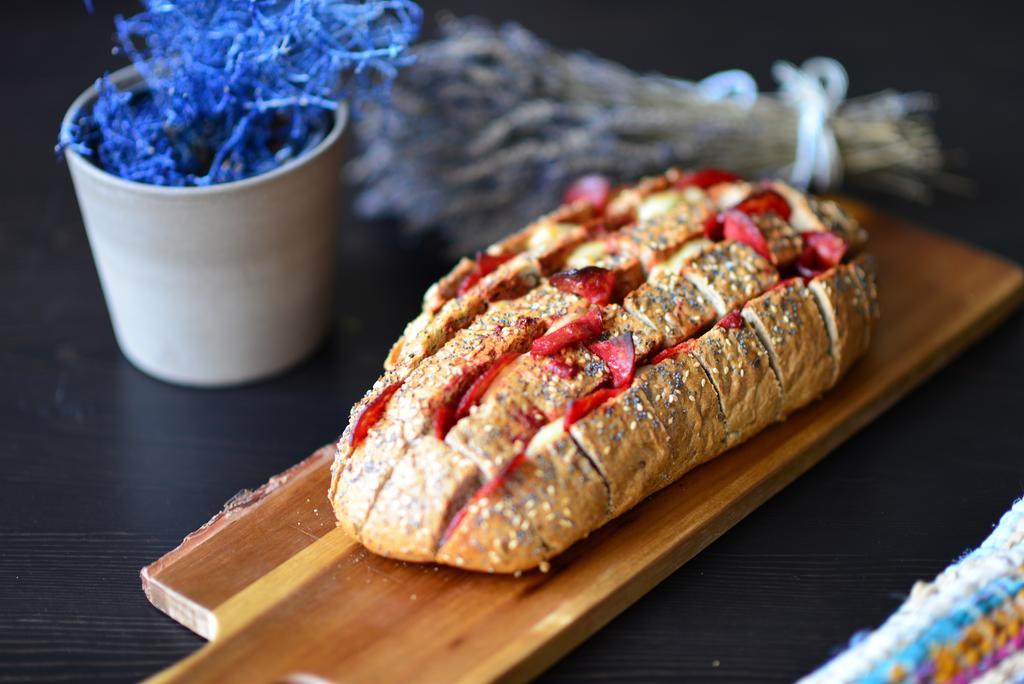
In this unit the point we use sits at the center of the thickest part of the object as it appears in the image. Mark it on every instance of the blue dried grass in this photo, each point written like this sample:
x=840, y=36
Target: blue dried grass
x=235, y=88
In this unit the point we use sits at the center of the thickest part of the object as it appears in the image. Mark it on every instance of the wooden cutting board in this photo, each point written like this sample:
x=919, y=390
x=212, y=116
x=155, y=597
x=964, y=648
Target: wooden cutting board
x=282, y=594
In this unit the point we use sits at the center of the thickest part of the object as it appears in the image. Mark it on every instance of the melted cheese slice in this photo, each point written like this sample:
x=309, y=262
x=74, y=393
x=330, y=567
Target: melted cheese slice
x=587, y=254
x=684, y=254
x=658, y=204
x=548, y=233
x=728, y=195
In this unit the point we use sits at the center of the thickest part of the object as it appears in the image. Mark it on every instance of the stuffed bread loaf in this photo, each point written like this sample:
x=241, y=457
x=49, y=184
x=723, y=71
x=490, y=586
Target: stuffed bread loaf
x=594, y=357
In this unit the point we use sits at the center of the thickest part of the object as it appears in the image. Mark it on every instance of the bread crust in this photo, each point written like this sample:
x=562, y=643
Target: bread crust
x=508, y=475
x=783, y=241
x=618, y=321
x=364, y=473
x=531, y=377
x=729, y=274
x=425, y=488
x=628, y=445
x=738, y=366
x=672, y=305
x=685, y=402
x=655, y=239
x=789, y=324
x=848, y=314
x=512, y=279
x=555, y=498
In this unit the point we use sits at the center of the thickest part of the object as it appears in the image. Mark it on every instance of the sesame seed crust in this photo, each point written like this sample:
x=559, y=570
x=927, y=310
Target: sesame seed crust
x=847, y=311
x=531, y=378
x=672, y=305
x=511, y=279
x=730, y=274
x=552, y=500
x=618, y=321
x=629, y=272
x=738, y=366
x=496, y=431
x=421, y=495
x=365, y=473
x=783, y=241
x=790, y=326
x=628, y=445
x=653, y=240
x=685, y=402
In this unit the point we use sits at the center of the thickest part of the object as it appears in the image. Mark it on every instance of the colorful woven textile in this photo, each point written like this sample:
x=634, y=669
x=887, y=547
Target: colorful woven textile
x=965, y=626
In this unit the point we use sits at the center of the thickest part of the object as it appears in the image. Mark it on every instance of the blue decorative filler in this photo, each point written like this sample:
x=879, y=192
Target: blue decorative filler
x=234, y=88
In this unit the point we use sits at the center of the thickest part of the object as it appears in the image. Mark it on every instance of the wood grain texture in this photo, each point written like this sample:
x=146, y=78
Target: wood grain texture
x=283, y=592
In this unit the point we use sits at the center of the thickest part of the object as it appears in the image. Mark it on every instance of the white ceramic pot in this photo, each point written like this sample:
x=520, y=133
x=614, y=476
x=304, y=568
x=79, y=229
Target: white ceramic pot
x=215, y=285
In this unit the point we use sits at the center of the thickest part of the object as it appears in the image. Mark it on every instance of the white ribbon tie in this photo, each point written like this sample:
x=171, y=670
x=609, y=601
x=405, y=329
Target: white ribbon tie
x=815, y=90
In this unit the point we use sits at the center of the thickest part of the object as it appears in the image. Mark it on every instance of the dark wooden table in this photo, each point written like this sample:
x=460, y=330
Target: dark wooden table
x=102, y=469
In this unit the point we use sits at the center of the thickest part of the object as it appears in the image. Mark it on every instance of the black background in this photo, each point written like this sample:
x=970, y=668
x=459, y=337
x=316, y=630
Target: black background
x=102, y=469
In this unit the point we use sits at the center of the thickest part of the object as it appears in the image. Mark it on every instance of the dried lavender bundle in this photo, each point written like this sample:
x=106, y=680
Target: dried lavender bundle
x=490, y=125
x=234, y=88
